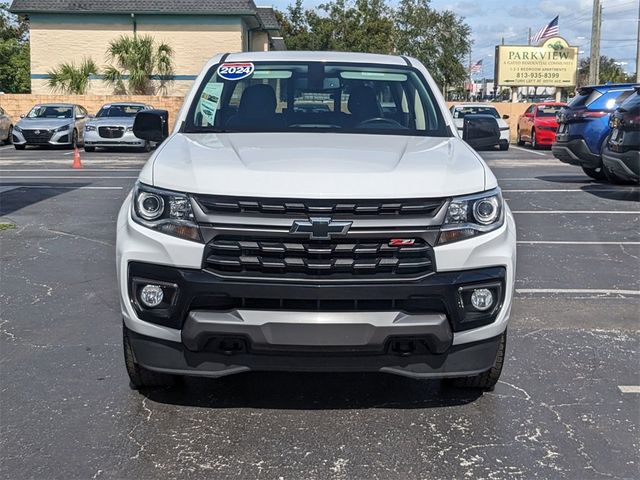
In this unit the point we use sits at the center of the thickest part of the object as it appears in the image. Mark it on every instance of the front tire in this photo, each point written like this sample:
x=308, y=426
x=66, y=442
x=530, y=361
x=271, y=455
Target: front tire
x=74, y=139
x=9, y=138
x=519, y=140
x=89, y=149
x=504, y=146
x=534, y=140
x=146, y=148
x=487, y=380
x=19, y=147
x=141, y=377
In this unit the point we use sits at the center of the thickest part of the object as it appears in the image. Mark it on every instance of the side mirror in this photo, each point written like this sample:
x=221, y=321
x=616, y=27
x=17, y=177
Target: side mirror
x=152, y=125
x=480, y=131
x=22, y=115
x=506, y=117
x=79, y=117
x=528, y=115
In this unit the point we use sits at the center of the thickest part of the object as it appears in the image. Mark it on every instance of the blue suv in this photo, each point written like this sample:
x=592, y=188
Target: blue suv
x=583, y=126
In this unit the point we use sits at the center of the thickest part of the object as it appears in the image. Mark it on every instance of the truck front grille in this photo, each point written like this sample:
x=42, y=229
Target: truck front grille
x=333, y=259
x=302, y=208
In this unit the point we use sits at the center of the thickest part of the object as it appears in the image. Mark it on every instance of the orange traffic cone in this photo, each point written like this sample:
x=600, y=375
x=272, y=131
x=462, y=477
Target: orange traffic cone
x=76, y=159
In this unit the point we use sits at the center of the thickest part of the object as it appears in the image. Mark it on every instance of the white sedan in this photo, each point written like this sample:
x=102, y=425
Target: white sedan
x=459, y=112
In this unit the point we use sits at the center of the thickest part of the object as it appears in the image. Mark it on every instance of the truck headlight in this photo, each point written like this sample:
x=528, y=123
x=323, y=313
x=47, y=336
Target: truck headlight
x=166, y=211
x=472, y=215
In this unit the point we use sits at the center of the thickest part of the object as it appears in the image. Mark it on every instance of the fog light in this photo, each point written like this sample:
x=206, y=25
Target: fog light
x=482, y=299
x=151, y=295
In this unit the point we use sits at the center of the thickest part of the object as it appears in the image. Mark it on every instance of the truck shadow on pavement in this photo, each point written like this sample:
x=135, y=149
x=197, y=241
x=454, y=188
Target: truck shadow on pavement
x=312, y=391
x=600, y=189
x=14, y=197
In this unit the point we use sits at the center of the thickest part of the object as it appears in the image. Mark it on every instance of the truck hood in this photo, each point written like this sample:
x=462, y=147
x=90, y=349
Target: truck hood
x=317, y=165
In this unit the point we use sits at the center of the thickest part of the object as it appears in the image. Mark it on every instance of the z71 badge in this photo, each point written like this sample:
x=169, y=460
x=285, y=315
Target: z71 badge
x=235, y=71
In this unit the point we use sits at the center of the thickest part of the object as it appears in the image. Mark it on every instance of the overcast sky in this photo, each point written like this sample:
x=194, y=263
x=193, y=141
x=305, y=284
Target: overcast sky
x=490, y=20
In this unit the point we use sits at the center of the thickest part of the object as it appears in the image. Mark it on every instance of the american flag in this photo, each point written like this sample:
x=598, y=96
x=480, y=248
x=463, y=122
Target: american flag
x=476, y=67
x=547, y=31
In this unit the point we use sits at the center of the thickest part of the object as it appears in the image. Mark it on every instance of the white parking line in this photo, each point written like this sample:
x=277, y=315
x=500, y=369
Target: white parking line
x=629, y=388
x=574, y=190
x=50, y=177
x=528, y=151
x=585, y=291
x=571, y=212
x=56, y=187
x=69, y=170
x=559, y=242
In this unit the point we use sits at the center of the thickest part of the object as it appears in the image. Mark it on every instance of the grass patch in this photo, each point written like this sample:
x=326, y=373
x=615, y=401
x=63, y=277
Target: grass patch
x=7, y=226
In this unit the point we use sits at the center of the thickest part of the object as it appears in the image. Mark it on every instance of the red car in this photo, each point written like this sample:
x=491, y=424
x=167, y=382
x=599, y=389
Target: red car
x=538, y=125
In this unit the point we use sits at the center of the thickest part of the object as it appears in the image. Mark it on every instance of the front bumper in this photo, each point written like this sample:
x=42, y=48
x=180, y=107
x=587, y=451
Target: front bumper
x=625, y=165
x=128, y=139
x=208, y=329
x=58, y=138
x=576, y=152
x=171, y=357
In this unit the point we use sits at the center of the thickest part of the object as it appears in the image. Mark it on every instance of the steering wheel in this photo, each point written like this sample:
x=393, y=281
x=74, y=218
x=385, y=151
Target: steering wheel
x=379, y=120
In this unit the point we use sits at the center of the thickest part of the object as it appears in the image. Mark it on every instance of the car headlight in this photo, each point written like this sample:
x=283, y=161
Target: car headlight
x=472, y=215
x=130, y=129
x=166, y=211
x=90, y=128
x=16, y=128
x=63, y=128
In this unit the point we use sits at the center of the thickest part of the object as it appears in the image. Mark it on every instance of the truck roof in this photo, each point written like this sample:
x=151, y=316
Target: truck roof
x=302, y=56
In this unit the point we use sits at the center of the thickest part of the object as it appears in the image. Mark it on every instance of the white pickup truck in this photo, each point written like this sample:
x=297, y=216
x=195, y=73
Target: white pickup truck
x=314, y=211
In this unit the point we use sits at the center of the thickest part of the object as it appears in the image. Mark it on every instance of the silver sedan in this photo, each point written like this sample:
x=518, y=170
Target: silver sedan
x=6, y=126
x=56, y=124
x=113, y=127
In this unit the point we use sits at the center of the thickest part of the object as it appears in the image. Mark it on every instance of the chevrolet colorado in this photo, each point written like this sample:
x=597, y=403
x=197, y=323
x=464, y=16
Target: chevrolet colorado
x=363, y=234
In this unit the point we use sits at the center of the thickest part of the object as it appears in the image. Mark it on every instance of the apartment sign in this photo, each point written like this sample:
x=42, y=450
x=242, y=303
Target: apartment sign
x=552, y=64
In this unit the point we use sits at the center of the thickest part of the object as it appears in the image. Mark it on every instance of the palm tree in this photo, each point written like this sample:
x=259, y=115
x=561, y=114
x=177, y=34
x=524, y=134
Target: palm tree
x=141, y=59
x=69, y=79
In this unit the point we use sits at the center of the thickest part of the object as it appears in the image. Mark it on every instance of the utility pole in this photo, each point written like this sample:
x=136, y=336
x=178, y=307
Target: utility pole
x=594, y=60
x=529, y=36
x=638, y=50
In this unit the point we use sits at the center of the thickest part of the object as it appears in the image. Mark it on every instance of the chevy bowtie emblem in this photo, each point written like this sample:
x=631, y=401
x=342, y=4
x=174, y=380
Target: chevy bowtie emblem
x=320, y=228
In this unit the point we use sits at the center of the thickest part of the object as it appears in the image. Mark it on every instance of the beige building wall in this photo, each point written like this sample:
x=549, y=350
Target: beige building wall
x=59, y=38
x=259, y=42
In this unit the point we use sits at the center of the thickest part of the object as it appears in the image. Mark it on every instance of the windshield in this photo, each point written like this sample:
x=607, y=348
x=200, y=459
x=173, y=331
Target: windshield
x=315, y=97
x=50, y=111
x=548, y=110
x=460, y=112
x=119, y=110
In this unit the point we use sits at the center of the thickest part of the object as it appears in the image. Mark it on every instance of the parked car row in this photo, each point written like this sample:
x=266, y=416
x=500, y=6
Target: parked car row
x=70, y=125
x=599, y=131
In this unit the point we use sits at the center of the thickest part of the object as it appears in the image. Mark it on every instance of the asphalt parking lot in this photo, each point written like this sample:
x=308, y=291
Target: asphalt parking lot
x=567, y=405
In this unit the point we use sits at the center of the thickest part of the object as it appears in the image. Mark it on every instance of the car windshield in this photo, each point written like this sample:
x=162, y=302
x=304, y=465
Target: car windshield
x=460, y=112
x=548, y=110
x=315, y=97
x=50, y=111
x=119, y=110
